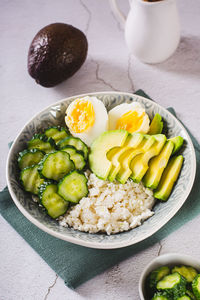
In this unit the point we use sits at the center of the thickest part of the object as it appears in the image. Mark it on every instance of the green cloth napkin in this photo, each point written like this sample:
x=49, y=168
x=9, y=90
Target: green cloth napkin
x=76, y=264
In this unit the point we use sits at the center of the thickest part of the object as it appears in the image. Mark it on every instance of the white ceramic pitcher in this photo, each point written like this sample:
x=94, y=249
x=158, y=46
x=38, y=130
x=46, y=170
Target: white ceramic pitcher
x=152, y=30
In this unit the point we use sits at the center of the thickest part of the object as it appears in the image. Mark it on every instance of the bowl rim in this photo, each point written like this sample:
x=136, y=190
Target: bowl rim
x=90, y=244
x=171, y=257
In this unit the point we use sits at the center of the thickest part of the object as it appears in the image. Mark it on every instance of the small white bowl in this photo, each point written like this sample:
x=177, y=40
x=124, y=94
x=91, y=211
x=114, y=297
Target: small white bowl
x=169, y=259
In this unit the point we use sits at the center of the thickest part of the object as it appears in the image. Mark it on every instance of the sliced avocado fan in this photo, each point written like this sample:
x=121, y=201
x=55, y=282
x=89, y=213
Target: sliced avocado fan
x=169, y=177
x=156, y=125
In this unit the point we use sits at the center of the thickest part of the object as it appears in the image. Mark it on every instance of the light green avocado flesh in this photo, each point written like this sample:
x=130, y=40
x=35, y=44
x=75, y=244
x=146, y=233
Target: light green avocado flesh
x=132, y=141
x=178, y=142
x=156, y=125
x=157, y=166
x=139, y=165
x=168, y=178
x=126, y=158
x=99, y=163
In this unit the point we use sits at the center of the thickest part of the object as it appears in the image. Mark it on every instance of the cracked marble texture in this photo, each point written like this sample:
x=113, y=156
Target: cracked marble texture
x=109, y=66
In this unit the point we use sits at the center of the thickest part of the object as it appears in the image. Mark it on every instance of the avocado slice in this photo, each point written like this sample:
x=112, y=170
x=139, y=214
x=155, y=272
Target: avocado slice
x=132, y=141
x=156, y=125
x=178, y=142
x=98, y=161
x=126, y=158
x=169, y=177
x=139, y=165
x=157, y=166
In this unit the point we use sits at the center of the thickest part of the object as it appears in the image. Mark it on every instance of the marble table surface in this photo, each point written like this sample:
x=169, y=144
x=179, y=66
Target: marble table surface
x=176, y=82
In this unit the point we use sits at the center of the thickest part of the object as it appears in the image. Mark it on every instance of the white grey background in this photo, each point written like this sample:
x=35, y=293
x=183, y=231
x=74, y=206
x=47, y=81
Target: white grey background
x=23, y=274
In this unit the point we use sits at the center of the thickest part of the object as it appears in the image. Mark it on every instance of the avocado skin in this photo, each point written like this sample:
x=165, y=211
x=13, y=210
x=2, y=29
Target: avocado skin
x=56, y=53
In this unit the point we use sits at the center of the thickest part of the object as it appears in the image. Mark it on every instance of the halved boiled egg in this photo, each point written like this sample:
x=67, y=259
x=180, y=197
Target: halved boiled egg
x=86, y=118
x=129, y=116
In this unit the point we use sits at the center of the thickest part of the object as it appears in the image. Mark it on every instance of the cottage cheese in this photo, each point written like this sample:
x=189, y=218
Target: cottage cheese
x=110, y=207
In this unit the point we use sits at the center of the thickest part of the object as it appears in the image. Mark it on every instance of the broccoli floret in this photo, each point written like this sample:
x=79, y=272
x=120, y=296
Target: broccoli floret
x=196, y=286
x=157, y=275
x=174, y=285
x=188, y=272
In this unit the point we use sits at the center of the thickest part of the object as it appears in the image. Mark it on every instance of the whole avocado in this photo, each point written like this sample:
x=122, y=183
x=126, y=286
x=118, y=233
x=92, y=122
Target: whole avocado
x=56, y=53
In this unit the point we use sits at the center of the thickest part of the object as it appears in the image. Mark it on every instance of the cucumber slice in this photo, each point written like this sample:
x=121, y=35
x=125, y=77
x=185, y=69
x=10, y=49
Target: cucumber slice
x=41, y=142
x=55, y=165
x=76, y=142
x=73, y=187
x=31, y=179
x=196, y=286
x=173, y=284
x=55, y=205
x=76, y=157
x=188, y=272
x=29, y=158
x=184, y=297
x=56, y=133
x=157, y=275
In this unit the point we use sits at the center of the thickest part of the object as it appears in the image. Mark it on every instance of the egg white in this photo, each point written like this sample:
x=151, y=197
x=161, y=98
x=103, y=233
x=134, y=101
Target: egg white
x=115, y=114
x=100, y=123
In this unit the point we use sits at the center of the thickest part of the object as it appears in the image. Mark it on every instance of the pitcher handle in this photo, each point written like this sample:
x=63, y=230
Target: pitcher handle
x=117, y=12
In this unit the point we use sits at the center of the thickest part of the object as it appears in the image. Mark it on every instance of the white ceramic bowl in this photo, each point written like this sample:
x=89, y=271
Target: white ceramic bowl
x=54, y=115
x=169, y=259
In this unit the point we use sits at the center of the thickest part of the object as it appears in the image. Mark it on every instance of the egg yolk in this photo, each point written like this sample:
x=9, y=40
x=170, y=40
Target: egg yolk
x=130, y=121
x=81, y=117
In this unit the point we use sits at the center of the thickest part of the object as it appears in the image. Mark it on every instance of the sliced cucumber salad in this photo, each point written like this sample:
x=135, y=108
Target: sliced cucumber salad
x=42, y=142
x=50, y=168
x=55, y=205
x=55, y=165
x=75, y=142
x=176, y=283
x=56, y=133
x=28, y=158
x=30, y=179
x=73, y=187
x=76, y=156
